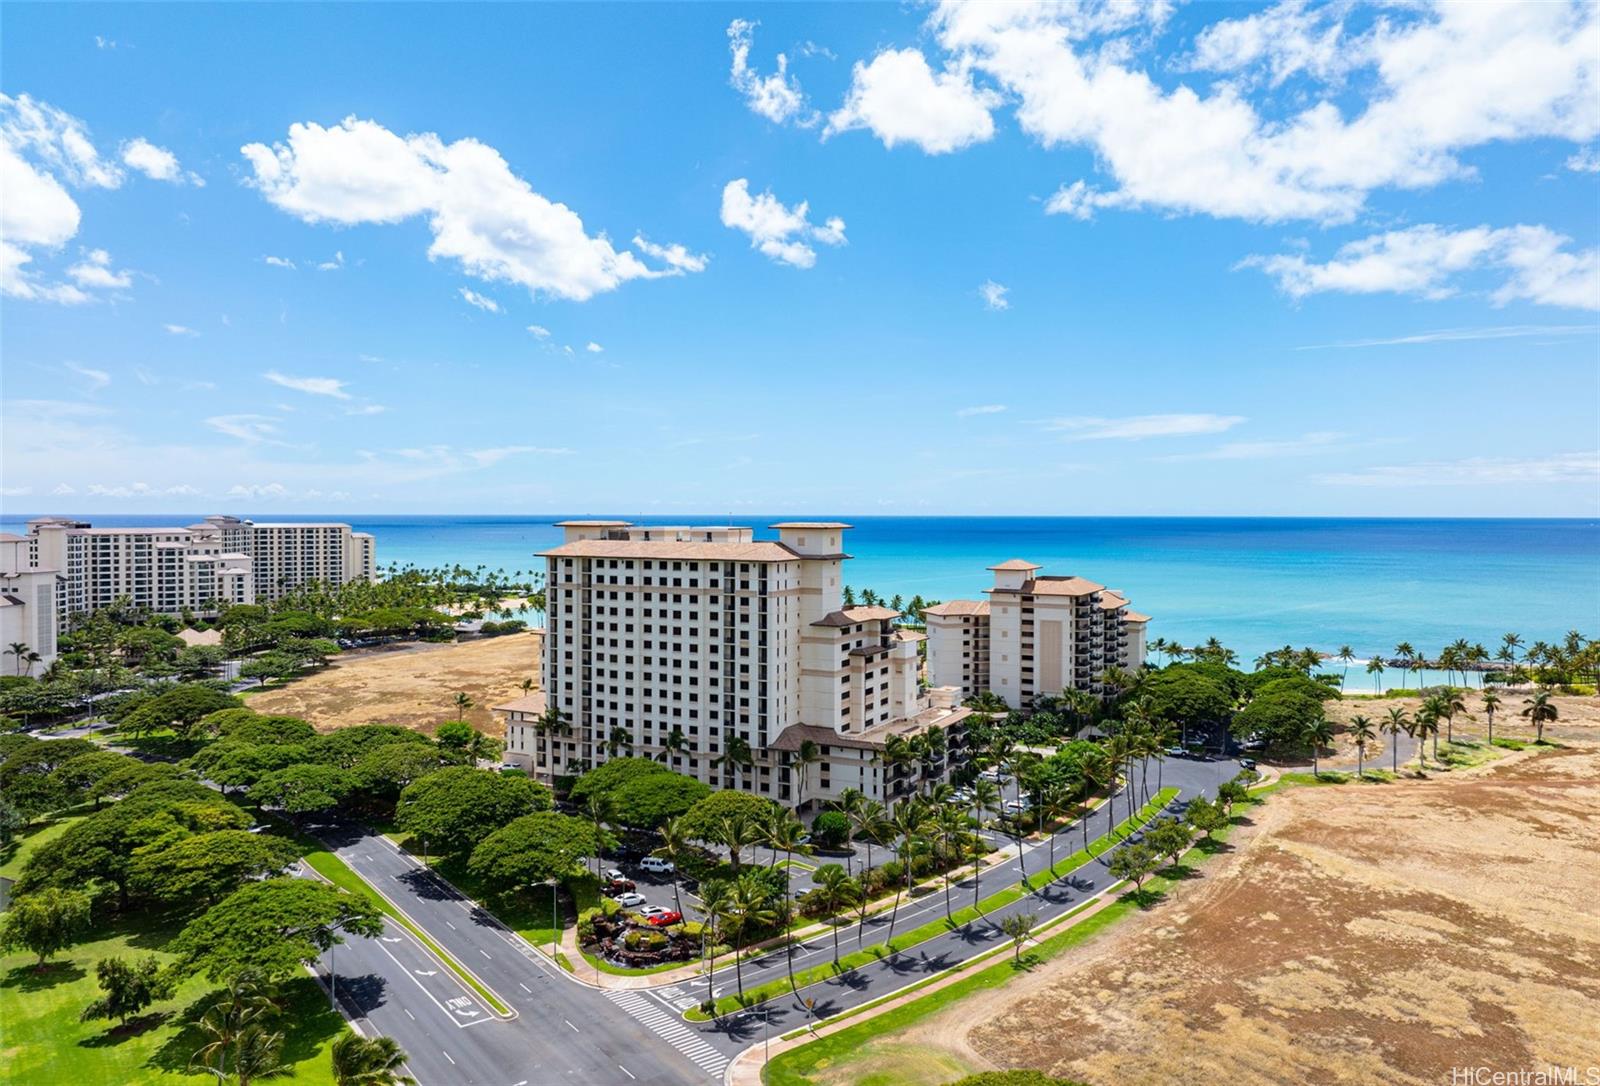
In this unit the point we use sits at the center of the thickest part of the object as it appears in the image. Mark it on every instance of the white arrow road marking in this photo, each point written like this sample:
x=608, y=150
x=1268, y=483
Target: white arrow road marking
x=386, y=939
x=425, y=972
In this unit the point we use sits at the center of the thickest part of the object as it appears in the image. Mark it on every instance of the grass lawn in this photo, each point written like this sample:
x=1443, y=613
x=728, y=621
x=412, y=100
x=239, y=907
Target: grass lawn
x=860, y=1055
x=45, y=1044
x=14, y=855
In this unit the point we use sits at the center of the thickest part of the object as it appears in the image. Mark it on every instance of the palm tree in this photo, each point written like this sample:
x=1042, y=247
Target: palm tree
x=807, y=756
x=462, y=703
x=675, y=838
x=734, y=832
x=736, y=756
x=1406, y=653
x=783, y=832
x=872, y=826
x=1426, y=724
x=985, y=800
x=1345, y=655
x=675, y=743
x=1318, y=734
x=360, y=1062
x=835, y=890
x=1101, y=769
x=752, y=910
x=237, y=1037
x=907, y=820
x=527, y=687
x=716, y=903
x=952, y=825
x=1539, y=712
x=1375, y=669
x=1395, y=723
x=20, y=650
x=1361, y=731
x=600, y=808
x=1452, y=703
x=1491, y=702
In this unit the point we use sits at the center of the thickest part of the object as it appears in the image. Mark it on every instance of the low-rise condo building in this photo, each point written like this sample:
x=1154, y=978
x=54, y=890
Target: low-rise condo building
x=219, y=562
x=1035, y=635
x=723, y=656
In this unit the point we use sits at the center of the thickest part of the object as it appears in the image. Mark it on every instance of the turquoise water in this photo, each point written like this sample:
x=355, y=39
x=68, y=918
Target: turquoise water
x=1253, y=583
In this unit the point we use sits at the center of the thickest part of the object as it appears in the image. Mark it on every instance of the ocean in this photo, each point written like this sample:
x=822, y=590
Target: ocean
x=1252, y=583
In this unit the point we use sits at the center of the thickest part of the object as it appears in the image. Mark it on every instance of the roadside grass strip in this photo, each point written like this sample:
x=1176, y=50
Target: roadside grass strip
x=340, y=874
x=934, y=928
x=830, y=1053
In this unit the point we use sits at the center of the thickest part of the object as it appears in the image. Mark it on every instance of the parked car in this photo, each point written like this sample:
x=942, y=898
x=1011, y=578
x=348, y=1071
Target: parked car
x=1247, y=763
x=663, y=918
x=1177, y=752
x=630, y=900
x=612, y=874
x=620, y=886
x=657, y=865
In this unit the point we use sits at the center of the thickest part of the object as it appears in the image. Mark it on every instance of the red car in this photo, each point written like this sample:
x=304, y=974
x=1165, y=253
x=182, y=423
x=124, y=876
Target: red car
x=619, y=886
x=663, y=918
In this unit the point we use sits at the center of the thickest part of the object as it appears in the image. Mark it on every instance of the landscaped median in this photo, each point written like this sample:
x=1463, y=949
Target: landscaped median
x=829, y=1054
x=340, y=874
x=934, y=928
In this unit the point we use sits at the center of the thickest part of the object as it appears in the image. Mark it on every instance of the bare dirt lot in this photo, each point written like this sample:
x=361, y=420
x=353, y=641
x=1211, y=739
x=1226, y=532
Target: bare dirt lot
x=1380, y=933
x=414, y=686
x=1579, y=719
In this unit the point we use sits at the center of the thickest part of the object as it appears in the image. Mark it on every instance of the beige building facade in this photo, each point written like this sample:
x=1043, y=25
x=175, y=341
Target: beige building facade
x=27, y=609
x=1035, y=635
x=697, y=645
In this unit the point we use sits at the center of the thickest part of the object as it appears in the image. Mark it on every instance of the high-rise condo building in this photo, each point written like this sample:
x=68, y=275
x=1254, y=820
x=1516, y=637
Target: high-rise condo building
x=723, y=655
x=220, y=561
x=28, y=622
x=1035, y=635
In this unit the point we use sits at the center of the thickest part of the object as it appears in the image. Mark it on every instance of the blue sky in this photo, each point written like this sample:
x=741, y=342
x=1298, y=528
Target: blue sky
x=1201, y=259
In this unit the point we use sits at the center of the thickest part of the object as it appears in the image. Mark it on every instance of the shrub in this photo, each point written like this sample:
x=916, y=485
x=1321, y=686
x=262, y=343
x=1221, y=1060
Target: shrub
x=830, y=828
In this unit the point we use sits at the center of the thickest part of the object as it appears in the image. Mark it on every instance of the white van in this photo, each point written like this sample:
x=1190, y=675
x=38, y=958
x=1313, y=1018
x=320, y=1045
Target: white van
x=657, y=865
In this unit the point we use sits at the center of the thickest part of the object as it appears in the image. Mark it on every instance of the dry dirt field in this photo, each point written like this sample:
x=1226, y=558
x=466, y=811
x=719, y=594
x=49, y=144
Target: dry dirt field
x=413, y=687
x=1356, y=934
x=1579, y=719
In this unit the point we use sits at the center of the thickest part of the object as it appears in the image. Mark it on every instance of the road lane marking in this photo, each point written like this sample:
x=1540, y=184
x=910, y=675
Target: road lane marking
x=524, y=987
x=485, y=953
x=672, y=1029
x=449, y=925
x=409, y=1015
x=572, y=1027
x=447, y=1056
x=627, y=1072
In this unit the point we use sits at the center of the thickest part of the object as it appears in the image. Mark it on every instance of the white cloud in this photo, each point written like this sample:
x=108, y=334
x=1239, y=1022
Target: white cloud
x=258, y=490
x=97, y=379
x=139, y=490
x=479, y=301
x=593, y=348
x=1461, y=335
x=63, y=490
x=994, y=295
x=481, y=214
x=981, y=409
x=366, y=409
x=778, y=96
x=674, y=256
x=1429, y=82
x=782, y=233
x=180, y=330
x=278, y=261
x=1305, y=445
x=156, y=163
x=42, y=151
x=1078, y=200
x=315, y=386
x=902, y=100
x=333, y=265
x=1585, y=160
x=1575, y=467
x=95, y=271
x=1139, y=427
x=484, y=458
x=539, y=331
x=1532, y=263
x=248, y=428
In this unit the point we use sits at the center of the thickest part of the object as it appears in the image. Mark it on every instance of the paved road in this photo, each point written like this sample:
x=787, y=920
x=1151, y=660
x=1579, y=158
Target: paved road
x=619, y=1036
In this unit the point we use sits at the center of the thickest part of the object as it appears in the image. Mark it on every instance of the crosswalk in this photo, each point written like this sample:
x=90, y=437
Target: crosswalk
x=671, y=1029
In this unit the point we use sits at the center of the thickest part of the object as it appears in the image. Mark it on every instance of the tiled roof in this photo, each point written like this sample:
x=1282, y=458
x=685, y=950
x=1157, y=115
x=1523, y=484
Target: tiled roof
x=819, y=525
x=959, y=607
x=765, y=551
x=1134, y=616
x=1016, y=564
x=852, y=615
x=533, y=703
x=1053, y=586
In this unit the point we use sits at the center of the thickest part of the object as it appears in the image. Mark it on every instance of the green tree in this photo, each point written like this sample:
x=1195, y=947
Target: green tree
x=708, y=819
x=1362, y=732
x=1205, y=816
x=272, y=929
x=1317, y=734
x=1135, y=863
x=751, y=911
x=1491, y=702
x=835, y=891
x=462, y=702
x=386, y=771
x=301, y=790
x=463, y=744
x=1393, y=724
x=539, y=847
x=345, y=747
x=129, y=988
x=358, y=1061
x=1170, y=838
x=809, y=754
x=179, y=707
x=457, y=807
x=45, y=922
x=1017, y=927
x=196, y=871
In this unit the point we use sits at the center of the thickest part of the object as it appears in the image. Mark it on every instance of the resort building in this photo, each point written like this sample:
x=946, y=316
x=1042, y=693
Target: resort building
x=28, y=621
x=723, y=656
x=219, y=562
x=1035, y=635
